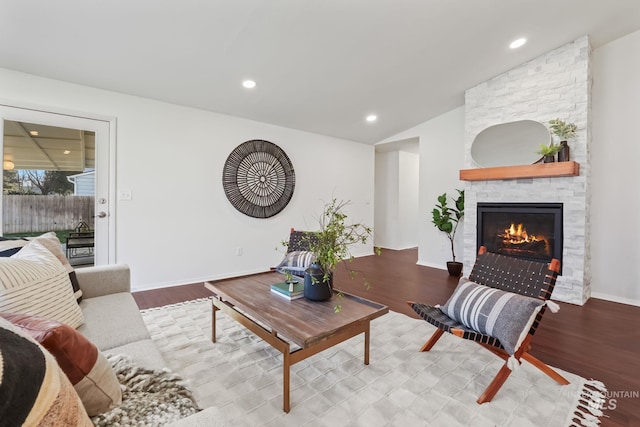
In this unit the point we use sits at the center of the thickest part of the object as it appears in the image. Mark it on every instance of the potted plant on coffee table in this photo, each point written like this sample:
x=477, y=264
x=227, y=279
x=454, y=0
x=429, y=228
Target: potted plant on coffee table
x=447, y=219
x=331, y=245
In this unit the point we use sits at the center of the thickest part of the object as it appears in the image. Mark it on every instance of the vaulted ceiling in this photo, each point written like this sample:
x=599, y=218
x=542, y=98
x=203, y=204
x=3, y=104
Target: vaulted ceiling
x=320, y=66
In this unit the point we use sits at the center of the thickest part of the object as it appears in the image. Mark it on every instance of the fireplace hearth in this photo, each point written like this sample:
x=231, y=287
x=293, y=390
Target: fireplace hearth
x=524, y=230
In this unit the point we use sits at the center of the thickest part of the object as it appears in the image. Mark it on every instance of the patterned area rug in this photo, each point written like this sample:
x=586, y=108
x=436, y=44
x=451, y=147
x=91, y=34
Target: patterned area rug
x=241, y=375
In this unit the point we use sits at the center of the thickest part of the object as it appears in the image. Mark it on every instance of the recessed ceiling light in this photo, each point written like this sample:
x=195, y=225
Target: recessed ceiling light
x=34, y=133
x=67, y=151
x=518, y=43
x=371, y=118
x=249, y=84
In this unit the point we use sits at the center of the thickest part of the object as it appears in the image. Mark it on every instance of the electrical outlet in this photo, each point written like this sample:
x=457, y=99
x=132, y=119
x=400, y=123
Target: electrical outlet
x=239, y=251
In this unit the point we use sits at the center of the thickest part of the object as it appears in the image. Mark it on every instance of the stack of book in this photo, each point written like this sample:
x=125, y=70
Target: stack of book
x=282, y=290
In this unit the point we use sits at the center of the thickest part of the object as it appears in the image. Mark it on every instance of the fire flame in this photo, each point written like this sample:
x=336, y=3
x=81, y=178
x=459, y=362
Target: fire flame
x=517, y=234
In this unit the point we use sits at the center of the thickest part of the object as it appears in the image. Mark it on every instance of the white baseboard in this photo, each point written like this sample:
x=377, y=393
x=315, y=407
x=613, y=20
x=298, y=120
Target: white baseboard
x=614, y=298
x=428, y=264
x=150, y=286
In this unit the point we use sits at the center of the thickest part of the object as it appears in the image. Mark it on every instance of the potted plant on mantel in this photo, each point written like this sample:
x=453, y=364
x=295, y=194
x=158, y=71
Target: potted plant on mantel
x=564, y=131
x=548, y=152
x=447, y=219
x=331, y=245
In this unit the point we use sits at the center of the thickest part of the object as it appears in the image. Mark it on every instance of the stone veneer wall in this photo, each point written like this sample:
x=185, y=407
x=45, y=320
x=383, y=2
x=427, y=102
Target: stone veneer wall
x=554, y=85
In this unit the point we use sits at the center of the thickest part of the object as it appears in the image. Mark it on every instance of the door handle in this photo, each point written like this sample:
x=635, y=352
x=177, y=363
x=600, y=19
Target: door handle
x=101, y=215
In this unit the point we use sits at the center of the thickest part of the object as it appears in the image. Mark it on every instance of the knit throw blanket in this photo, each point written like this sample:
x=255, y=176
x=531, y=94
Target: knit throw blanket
x=149, y=397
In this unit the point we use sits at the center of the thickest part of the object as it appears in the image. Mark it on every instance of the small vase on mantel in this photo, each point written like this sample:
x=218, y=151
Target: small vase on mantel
x=563, y=154
x=551, y=158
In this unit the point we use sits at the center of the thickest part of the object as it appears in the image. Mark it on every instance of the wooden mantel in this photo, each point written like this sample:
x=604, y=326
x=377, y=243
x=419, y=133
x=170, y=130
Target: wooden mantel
x=538, y=170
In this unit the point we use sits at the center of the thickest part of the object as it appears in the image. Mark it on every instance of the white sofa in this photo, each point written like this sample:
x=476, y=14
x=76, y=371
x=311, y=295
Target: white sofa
x=114, y=324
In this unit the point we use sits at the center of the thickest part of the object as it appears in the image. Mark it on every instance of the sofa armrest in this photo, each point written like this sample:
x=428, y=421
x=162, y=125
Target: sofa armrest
x=104, y=280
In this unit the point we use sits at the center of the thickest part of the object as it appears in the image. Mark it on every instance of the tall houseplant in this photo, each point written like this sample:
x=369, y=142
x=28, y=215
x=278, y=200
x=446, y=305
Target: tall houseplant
x=331, y=245
x=447, y=219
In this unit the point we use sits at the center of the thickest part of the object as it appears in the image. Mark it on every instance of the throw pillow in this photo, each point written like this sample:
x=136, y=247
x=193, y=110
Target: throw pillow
x=33, y=389
x=34, y=282
x=88, y=370
x=295, y=262
x=50, y=241
x=9, y=247
x=502, y=315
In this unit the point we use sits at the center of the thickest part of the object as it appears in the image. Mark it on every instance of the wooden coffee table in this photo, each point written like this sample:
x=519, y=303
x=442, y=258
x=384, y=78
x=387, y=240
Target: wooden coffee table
x=311, y=326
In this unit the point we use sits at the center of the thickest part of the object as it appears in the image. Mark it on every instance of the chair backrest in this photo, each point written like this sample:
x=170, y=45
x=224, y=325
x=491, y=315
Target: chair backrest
x=300, y=240
x=531, y=278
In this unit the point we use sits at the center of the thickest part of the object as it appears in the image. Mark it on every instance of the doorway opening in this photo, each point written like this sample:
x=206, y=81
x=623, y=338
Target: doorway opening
x=396, y=195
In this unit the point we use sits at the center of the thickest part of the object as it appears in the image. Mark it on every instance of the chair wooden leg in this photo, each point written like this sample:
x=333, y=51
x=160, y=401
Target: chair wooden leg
x=495, y=385
x=545, y=368
x=434, y=338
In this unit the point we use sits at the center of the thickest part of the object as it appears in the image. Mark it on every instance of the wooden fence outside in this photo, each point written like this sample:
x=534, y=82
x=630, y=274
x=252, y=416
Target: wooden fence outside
x=23, y=214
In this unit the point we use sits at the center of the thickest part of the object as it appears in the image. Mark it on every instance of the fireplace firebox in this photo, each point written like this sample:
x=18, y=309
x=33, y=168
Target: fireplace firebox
x=531, y=231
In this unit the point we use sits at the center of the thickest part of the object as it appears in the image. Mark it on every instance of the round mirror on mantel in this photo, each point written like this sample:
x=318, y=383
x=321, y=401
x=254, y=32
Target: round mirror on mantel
x=510, y=144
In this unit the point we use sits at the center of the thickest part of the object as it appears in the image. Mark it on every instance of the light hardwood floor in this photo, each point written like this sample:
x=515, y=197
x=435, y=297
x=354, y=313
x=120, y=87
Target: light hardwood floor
x=599, y=340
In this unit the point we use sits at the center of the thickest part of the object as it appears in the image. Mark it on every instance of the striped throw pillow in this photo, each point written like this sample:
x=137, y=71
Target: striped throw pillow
x=295, y=262
x=9, y=247
x=50, y=241
x=33, y=281
x=502, y=315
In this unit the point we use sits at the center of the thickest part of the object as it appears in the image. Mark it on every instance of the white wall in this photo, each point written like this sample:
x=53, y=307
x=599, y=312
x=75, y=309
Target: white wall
x=396, y=194
x=615, y=157
x=441, y=158
x=386, y=194
x=179, y=227
x=408, y=190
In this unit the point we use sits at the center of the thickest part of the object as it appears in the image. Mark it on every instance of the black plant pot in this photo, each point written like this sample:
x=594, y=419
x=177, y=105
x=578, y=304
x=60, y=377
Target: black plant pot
x=549, y=159
x=455, y=268
x=316, y=288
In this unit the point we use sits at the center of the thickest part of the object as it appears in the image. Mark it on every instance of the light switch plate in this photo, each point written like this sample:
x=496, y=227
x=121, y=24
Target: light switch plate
x=124, y=194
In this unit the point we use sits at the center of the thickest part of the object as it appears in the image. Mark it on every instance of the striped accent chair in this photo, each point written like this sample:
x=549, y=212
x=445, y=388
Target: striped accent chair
x=500, y=293
x=298, y=257
x=299, y=240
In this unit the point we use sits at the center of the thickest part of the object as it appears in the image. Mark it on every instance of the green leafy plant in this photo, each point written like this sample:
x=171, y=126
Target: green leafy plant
x=289, y=277
x=549, y=150
x=563, y=130
x=447, y=219
x=332, y=243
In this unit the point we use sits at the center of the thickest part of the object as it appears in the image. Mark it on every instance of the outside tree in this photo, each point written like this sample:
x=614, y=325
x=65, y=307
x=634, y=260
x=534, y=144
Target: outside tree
x=37, y=182
x=10, y=182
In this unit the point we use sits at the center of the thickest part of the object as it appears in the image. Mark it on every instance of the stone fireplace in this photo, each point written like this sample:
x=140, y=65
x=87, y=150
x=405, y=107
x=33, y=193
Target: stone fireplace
x=554, y=85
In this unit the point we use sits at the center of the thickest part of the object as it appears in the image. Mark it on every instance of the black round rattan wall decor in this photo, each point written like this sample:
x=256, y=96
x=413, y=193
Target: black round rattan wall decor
x=258, y=178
